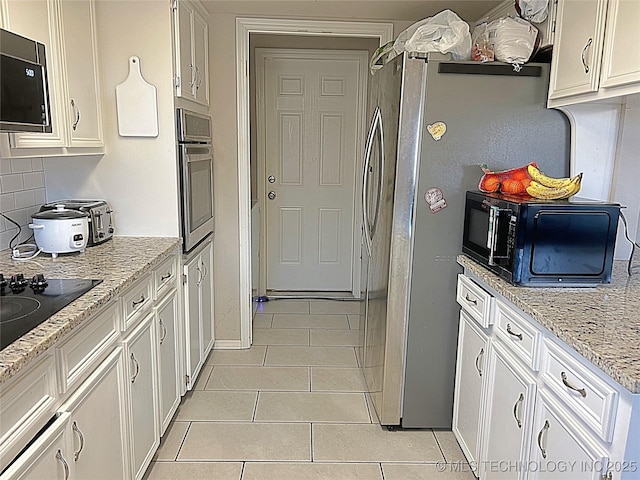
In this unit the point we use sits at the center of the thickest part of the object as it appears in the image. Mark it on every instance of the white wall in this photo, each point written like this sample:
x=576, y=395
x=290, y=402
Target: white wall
x=137, y=175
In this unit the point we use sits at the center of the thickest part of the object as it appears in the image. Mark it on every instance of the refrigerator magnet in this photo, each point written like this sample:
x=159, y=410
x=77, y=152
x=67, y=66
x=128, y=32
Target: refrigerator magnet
x=437, y=130
x=435, y=200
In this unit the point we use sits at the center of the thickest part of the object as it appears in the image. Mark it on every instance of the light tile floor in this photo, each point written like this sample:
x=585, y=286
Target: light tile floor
x=294, y=406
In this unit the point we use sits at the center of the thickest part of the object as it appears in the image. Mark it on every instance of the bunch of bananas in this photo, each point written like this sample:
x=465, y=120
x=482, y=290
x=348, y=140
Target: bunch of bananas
x=549, y=188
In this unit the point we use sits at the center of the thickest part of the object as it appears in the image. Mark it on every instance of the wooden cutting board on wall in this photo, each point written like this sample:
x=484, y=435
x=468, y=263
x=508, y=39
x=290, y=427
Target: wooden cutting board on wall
x=136, y=103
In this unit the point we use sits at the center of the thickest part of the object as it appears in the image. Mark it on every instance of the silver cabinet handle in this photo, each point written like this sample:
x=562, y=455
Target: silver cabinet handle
x=137, y=365
x=64, y=463
x=200, y=276
x=193, y=77
x=75, y=428
x=166, y=277
x=516, y=408
x=568, y=384
x=164, y=331
x=511, y=332
x=136, y=303
x=478, y=361
x=470, y=300
x=76, y=110
x=540, y=438
x=584, y=50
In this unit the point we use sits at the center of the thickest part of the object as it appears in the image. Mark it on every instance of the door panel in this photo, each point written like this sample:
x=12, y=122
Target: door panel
x=310, y=124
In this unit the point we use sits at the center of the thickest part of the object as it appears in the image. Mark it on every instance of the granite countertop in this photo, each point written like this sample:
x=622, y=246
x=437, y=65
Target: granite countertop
x=601, y=323
x=119, y=262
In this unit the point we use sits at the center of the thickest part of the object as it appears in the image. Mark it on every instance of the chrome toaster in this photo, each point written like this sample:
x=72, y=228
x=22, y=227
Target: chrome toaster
x=100, y=217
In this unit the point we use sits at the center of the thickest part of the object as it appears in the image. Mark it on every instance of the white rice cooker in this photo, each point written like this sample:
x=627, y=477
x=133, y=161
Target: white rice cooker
x=60, y=230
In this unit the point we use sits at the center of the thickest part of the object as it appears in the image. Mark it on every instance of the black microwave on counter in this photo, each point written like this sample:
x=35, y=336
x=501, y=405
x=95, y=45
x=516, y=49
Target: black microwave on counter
x=24, y=102
x=543, y=243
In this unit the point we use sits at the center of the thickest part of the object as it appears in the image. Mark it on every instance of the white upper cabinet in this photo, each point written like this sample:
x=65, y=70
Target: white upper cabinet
x=191, y=51
x=621, y=59
x=596, y=51
x=67, y=29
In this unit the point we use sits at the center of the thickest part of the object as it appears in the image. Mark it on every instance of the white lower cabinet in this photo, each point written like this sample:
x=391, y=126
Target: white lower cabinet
x=49, y=457
x=141, y=362
x=198, y=296
x=470, y=375
x=508, y=416
x=561, y=450
x=98, y=423
x=167, y=315
x=534, y=409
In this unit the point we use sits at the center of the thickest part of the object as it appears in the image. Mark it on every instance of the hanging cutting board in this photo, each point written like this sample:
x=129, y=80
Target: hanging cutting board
x=136, y=102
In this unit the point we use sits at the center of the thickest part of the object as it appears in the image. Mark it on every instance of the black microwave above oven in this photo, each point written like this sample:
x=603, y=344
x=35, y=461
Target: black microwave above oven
x=23, y=85
x=533, y=242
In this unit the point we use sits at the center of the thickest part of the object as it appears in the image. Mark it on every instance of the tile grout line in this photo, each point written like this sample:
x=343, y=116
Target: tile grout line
x=255, y=407
x=184, y=438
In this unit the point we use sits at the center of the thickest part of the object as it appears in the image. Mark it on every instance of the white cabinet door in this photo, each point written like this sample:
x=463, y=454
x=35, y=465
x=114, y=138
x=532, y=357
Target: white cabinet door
x=49, y=457
x=206, y=299
x=559, y=442
x=167, y=317
x=201, y=58
x=84, y=122
x=191, y=51
x=192, y=310
x=621, y=58
x=469, y=383
x=577, y=51
x=509, y=415
x=140, y=351
x=98, y=423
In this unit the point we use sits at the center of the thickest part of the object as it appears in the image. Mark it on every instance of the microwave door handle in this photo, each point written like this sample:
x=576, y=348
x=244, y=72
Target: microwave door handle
x=494, y=217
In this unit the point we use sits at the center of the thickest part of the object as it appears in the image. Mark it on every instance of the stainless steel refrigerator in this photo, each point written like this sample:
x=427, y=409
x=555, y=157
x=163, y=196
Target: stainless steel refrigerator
x=433, y=122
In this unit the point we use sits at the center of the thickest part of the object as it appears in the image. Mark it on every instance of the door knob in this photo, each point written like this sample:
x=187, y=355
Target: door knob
x=271, y=179
x=271, y=195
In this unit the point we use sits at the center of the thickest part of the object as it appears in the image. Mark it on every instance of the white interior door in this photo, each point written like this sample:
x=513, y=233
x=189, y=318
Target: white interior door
x=310, y=130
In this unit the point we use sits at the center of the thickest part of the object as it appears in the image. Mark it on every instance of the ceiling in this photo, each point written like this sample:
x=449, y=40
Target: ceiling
x=388, y=10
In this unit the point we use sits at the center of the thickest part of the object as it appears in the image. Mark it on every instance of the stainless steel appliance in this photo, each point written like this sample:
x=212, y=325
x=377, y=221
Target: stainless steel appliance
x=434, y=122
x=23, y=85
x=196, y=177
x=100, y=215
x=26, y=303
x=534, y=242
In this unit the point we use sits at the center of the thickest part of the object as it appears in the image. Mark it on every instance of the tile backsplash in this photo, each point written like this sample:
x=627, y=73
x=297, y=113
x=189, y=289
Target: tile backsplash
x=22, y=191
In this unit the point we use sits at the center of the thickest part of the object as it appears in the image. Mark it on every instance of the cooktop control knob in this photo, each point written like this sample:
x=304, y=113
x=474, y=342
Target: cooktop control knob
x=17, y=283
x=38, y=282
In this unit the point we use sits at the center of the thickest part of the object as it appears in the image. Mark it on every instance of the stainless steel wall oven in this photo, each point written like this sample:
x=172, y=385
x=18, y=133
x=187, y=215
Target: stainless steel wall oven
x=195, y=159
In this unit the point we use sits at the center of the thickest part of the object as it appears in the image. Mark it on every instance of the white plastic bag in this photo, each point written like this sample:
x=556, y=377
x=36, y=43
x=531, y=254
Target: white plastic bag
x=513, y=39
x=534, y=11
x=445, y=32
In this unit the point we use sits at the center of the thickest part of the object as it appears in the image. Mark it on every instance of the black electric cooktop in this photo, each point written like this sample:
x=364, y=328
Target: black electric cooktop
x=26, y=303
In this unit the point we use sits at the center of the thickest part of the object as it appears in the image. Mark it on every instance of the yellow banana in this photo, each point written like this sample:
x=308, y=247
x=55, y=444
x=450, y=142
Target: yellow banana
x=546, y=181
x=537, y=190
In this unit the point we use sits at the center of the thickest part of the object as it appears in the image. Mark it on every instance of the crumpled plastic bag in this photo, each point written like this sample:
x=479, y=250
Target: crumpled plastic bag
x=445, y=32
x=514, y=40
x=534, y=11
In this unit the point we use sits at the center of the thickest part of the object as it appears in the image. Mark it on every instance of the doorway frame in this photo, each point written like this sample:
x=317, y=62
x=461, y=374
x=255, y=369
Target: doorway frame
x=244, y=28
x=360, y=137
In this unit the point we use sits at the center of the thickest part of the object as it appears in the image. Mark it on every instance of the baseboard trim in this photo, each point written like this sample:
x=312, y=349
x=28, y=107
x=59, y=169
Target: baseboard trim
x=227, y=345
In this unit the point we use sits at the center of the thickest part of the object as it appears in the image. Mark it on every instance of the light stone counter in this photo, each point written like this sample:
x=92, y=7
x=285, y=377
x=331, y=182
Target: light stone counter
x=118, y=262
x=600, y=323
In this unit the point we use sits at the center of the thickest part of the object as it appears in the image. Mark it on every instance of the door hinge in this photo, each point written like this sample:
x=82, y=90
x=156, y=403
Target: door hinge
x=174, y=5
x=188, y=380
x=177, y=81
x=184, y=278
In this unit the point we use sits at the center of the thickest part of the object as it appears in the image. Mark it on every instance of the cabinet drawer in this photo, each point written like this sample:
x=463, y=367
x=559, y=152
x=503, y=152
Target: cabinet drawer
x=27, y=404
x=136, y=300
x=474, y=300
x=164, y=276
x=518, y=334
x=78, y=355
x=580, y=388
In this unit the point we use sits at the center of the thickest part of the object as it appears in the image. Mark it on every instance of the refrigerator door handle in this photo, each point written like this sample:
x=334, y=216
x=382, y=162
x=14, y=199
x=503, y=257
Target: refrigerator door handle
x=380, y=175
x=365, y=182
